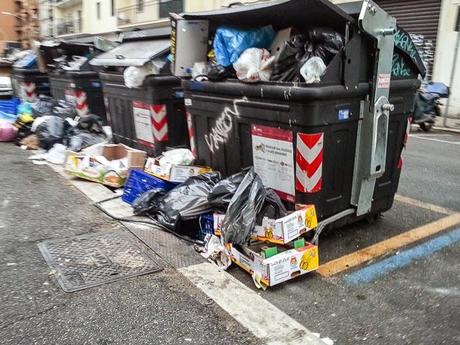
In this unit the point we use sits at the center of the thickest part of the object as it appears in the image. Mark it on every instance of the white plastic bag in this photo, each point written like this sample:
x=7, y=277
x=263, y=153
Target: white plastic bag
x=254, y=65
x=134, y=75
x=312, y=70
x=177, y=157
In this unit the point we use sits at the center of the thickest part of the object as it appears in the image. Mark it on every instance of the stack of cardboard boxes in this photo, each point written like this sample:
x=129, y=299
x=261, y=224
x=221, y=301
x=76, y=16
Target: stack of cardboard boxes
x=277, y=252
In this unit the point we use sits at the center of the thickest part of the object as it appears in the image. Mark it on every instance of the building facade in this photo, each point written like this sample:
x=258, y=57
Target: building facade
x=8, y=23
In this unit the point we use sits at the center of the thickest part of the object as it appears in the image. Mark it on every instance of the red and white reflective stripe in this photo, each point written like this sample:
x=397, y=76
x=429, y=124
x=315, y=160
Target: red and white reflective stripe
x=406, y=135
x=159, y=122
x=400, y=163
x=81, y=102
x=191, y=134
x=309, y=162
x=29, y=91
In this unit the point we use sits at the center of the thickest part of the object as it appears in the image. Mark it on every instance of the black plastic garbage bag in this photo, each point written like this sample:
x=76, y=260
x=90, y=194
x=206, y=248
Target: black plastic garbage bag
x=326, y=43
x=222, y=193
x=186, y=201
x=51, y=131
x=147, y=201
x=91, y=123
x=242, y=211
x=219, y=73
x=272, y=208
x=43, y=106
x=289, y=61
x=64, y=109
x=82, y=139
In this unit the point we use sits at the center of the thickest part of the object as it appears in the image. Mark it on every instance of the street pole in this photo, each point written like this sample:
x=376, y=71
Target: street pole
x=452, y=78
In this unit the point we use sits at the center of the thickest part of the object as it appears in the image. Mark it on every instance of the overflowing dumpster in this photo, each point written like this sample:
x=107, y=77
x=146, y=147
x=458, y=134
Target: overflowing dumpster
x=151, y=115
x=27, y=80
x=72, y=80
x=334, y=142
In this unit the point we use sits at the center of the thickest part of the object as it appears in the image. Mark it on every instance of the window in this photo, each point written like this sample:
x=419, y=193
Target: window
x=140, y=6
x=98, y=10
x=112, y=8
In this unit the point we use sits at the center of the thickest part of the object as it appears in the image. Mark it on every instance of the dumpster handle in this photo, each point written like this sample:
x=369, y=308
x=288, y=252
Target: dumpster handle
x=322, y=225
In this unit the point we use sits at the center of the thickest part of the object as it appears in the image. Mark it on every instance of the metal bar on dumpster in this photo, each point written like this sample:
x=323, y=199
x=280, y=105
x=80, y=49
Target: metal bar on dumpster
x=372, y=137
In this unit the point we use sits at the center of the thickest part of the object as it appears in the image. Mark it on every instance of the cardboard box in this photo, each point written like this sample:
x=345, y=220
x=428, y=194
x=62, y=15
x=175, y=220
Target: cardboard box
x=173, y=173
x=286, y=229
x=110, y=166
x=284, y=266
x=218, y=220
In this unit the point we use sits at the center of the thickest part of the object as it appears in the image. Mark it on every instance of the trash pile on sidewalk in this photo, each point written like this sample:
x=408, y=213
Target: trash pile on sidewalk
x=51, y=126
x=237, y=218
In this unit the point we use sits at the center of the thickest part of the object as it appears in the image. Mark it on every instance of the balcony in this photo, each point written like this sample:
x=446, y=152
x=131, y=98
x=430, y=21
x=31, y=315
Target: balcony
x=68, y=27
x=147, y=11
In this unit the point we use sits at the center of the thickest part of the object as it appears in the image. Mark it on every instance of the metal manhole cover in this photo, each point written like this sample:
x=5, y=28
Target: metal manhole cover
x=84, y=261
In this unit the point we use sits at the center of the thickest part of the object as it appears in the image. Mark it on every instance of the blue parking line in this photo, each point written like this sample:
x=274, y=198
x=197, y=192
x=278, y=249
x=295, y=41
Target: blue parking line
x=404, y=258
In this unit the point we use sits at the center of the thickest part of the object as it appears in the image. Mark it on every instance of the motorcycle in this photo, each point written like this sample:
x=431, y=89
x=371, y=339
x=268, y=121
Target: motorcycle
x=428, y=104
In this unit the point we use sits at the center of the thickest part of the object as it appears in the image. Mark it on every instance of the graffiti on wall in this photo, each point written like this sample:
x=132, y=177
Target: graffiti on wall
x=220, y=133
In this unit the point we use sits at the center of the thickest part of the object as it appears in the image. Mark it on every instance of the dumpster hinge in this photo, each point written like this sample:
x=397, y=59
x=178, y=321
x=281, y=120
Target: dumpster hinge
x=371, y=145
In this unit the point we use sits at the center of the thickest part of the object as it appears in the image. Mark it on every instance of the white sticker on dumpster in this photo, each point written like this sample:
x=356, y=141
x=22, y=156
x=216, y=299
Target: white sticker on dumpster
x=142, y=122
x=273, y=157
x=384, y=81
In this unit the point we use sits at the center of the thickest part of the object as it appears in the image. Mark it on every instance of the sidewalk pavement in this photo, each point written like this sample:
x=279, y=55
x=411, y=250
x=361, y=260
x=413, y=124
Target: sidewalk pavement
x=161, y=308
x=448, y=124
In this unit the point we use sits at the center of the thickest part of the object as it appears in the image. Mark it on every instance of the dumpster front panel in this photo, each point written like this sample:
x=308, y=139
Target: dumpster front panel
x=150, y=118
x=59, y=86
x=224, y=132
x=29, y=84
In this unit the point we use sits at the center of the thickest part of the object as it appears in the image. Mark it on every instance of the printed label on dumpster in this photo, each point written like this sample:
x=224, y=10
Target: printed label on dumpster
x=273, y=157
x=383, y=81
x=143, y=123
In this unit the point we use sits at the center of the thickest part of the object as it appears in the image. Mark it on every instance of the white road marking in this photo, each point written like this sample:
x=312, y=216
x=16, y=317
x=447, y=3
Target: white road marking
x=436, y=140
x=425, y=205
x=259, y=316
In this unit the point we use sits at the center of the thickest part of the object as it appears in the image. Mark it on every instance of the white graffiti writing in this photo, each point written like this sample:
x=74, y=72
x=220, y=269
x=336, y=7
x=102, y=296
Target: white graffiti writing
x=220, y=132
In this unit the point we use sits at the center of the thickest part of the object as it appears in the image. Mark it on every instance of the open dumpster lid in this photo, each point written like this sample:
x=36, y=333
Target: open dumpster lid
x=280, y=14
x=133, y=53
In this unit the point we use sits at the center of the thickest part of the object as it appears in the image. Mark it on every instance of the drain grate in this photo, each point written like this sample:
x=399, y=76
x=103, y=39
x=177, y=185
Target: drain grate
x=89, y=260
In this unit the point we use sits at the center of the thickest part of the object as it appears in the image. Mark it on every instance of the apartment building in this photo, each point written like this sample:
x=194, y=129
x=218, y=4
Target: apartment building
x=8, y=23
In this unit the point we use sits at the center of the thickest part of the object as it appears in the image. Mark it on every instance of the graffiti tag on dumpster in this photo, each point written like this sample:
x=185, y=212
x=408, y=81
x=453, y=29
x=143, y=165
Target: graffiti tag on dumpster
x=220, y=132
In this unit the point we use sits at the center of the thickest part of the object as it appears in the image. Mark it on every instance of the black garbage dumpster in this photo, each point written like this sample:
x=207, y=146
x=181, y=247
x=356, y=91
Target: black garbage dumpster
x=28, y=84
x=336, y=144
x=150, y=117
x=81, y=87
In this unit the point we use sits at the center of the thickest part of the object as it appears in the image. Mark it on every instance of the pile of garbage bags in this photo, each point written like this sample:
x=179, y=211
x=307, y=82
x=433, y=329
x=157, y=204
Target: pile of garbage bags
x=47, y=122
x=262, y=54
x=242, y=197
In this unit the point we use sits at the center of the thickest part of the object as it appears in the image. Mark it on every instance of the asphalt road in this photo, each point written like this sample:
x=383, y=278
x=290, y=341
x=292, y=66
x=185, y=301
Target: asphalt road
x=418, y=303
x=432, y=167
x=161, y=308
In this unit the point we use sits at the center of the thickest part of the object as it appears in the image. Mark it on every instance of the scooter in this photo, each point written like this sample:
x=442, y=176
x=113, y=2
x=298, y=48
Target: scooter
x=428, y=104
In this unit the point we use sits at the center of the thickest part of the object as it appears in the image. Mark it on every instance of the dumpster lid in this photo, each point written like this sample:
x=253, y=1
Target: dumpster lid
x=403, y=41
x=280, y=14
x=135, y=53
x=142, y=35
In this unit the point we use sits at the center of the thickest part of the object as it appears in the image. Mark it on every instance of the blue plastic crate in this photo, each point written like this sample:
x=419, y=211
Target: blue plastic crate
x=139, y=182
x=206, y=225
